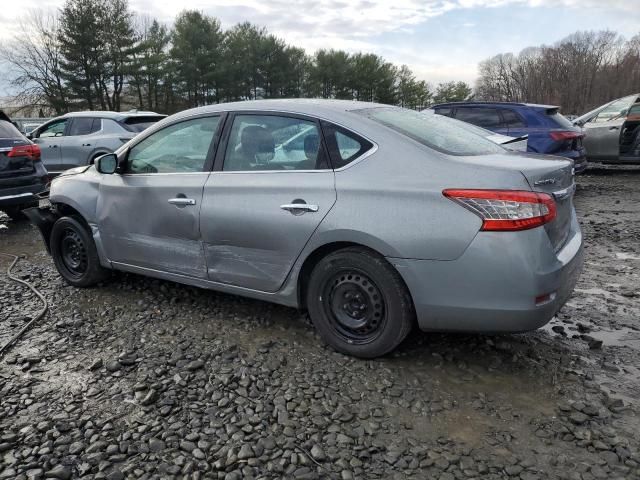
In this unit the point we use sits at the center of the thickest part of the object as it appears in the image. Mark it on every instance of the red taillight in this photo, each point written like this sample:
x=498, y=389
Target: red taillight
x=506, y=210
x=562, y=136
x=30, y=151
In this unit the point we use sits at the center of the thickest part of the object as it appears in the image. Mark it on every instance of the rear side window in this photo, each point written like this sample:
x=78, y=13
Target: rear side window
x=446, y=111
x=480, y=116
x=344, y=145
x=8, y=130
x=84, y=126
x=512, y=119
x=559, y=119
x=138, y=124
x=435, y=131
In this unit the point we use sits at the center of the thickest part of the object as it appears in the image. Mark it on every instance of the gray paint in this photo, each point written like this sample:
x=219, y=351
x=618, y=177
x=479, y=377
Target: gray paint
x=237, y=239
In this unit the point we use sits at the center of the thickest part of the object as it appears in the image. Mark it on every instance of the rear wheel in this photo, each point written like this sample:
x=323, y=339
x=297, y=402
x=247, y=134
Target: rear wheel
x=74, y=253
x=359, y=303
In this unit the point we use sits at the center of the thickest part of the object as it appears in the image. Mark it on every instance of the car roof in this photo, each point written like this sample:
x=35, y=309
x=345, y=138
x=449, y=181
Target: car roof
x=483, y=104
x=303, y=106
x=109, y=114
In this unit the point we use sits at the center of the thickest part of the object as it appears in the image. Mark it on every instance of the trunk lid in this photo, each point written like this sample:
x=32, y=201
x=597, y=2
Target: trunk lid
x=555, y=177
x=546, y=174
x=14, y=166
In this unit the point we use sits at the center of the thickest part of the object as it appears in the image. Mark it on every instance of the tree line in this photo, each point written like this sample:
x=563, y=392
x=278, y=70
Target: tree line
x=97, y=54
x=579, y=73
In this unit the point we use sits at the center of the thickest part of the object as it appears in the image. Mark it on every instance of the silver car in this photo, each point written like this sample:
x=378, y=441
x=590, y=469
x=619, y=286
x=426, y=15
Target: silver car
x=602, y=129
x=373, y=218
x=78, y=138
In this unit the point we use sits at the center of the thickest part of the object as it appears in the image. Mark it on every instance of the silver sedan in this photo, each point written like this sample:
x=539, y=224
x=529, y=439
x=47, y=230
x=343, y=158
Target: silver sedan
x=371, y=217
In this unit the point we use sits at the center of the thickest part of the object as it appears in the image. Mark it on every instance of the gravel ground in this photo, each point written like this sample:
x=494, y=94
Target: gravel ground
x=149, y=379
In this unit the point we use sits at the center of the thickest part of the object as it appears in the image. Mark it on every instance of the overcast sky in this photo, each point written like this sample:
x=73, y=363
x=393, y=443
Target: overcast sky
x=439, y=39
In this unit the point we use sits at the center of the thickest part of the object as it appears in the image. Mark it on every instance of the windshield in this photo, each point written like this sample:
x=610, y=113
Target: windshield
x=435, y=131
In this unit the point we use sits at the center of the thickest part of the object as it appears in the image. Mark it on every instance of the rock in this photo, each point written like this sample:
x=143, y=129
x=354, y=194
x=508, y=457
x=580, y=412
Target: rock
x=95, y=365
x=76, y=447
x=156, y=445
x=61, y=472
x=194, y=365
x=578, y=418
x=113, y=366
x=245, y=452
x=150, y=398
x=318, y=453
x=187, y=446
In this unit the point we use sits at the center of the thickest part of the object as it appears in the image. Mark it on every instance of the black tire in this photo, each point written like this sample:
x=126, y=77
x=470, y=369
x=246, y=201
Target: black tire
x=74, y=253
x=15, y=212
x=377, y=313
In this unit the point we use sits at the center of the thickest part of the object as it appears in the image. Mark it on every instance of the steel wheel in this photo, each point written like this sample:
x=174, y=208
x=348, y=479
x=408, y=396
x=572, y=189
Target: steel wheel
x=73, y=253
x=355, y=307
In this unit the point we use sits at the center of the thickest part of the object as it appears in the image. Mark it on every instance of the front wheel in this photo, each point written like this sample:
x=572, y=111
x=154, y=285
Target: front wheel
x=74, y=253
x=359, y=303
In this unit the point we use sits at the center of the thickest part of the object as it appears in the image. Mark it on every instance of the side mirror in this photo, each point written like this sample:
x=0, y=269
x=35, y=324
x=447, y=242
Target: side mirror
x=107, y=164
x=29, y=135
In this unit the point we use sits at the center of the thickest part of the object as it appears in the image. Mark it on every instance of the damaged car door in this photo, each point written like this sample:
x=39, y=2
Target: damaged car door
x=271, y=187
x=148, y=213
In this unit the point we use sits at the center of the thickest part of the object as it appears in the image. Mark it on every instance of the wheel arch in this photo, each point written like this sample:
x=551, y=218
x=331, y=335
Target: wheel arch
x=320, y=252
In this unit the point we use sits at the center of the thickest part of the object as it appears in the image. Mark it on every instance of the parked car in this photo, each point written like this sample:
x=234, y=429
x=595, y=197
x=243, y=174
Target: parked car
x=548, y=131
x=77, y=139
x=603, y=128
x=22, y=174
x=382, y=217
x=517, y=144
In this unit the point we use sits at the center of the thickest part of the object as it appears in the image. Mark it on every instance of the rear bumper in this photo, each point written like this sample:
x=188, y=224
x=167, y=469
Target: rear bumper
x=578, y=157
x=22, y=190
x=493, y=286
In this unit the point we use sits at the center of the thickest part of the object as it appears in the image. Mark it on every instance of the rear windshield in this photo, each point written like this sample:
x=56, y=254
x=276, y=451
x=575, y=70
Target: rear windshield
x=7, y=130
x=560, y=120
x=435, y=131
x=138, y=124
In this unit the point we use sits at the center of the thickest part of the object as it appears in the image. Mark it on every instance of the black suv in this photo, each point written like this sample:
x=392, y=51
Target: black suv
x=22, y=174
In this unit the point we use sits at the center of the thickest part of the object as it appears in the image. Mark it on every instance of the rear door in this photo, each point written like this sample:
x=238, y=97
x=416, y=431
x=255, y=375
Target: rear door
x=148, y=215
x=271, y=188
x=80, y=141
x=51, y=137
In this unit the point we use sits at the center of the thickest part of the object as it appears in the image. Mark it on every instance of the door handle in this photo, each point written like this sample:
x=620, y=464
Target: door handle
x=53, y=146
x=86, y=144
x=182, y=201
x=297, y=207
x=614, y=128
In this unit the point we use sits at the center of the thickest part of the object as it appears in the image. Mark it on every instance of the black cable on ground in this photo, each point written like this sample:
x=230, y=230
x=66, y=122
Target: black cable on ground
x=40, y=314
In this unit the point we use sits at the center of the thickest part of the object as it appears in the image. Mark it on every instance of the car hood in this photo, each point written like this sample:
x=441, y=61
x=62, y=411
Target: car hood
x=74, y=171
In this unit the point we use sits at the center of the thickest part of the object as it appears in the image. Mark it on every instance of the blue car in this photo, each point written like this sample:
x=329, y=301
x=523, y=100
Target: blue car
x=549, y=132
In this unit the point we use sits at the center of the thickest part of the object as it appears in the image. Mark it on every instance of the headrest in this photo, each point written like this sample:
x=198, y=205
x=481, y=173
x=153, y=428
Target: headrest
x=257, y=140
x=311, y=145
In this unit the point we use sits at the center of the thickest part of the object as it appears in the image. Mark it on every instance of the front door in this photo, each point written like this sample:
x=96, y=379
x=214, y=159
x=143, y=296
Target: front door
x=602, y=138
x=148, y=215
x=272, y=187
x=51, y=137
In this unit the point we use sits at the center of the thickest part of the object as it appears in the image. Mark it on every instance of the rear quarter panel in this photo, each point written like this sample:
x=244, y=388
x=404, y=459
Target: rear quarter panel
x=392, y=200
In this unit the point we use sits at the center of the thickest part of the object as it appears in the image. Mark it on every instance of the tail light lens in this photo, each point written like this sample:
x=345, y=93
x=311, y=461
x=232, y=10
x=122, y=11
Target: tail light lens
x=564, y=136
x=506, y=210
x=30, y=151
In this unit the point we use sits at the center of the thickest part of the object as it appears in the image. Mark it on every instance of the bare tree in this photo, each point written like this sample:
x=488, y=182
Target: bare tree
x=33, y=57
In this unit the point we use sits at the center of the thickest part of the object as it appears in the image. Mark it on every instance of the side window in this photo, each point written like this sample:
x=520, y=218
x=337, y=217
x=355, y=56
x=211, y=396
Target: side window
x=614, y=111
x=273, y=142
x=178, y=148
x=480, y=116
x=512, y=119
x=84, y=126
x=55, y=129
x=344, y=145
